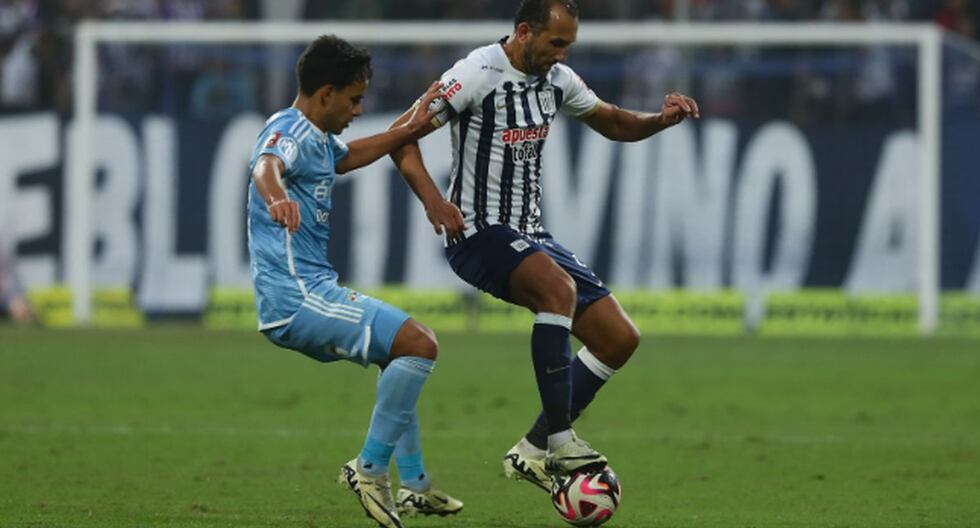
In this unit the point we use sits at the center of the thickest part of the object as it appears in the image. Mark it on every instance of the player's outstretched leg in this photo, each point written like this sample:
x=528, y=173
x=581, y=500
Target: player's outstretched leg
x=417, y=495
x=413, y=355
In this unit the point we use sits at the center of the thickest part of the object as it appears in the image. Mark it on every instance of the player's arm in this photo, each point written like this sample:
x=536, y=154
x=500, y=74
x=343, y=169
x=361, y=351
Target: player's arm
x=442, y=214
x=267, y=176
x=365, y=151
x=619, y=124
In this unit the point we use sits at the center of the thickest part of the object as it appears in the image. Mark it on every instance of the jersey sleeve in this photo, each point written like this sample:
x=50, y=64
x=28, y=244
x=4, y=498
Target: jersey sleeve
x=460, y=86
x=338, y=147
x=579, y=100
x=282, y=145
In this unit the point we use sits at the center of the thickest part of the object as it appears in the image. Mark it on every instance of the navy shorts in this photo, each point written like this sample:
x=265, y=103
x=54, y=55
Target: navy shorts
x=487, y=258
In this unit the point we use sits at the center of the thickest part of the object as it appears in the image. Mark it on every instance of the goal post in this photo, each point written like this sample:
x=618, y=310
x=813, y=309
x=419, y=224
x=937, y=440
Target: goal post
x=926, y=39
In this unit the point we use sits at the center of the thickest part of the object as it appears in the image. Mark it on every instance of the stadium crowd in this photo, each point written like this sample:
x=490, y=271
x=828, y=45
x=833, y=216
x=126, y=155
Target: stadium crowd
x=36, y=53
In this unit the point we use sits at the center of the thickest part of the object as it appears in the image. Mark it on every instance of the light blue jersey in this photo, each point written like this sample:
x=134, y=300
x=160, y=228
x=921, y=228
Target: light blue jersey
x=300, y=305
x=284, y=266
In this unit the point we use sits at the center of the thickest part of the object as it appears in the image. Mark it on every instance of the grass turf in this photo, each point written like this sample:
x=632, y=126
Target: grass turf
x=182, y=427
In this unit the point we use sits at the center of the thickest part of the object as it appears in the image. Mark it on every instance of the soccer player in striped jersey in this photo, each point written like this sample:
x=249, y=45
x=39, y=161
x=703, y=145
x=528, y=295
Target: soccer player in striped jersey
x=501, y=101
x=300, y=305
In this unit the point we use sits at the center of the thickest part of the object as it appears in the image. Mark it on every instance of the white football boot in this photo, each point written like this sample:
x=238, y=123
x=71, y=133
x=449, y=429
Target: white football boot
x=374, y=494
x=520, y=464
x=433, y=501
x=573, y=456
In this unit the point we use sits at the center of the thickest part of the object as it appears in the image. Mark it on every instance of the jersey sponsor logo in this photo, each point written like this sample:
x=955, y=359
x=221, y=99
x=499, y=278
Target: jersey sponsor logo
x=454, y=88
x=288, y=148
x=322, y=190
x=492, y=67
x=513, y=136
x=322, y=216
x=525, y=152
x=273, y=139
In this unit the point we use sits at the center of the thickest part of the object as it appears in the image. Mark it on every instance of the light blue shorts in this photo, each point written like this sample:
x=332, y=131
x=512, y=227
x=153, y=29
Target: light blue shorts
x=339, y=323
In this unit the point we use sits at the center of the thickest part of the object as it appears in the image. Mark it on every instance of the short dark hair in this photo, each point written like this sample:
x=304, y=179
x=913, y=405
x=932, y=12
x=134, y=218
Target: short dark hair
x=537, y=12
x=331, y=60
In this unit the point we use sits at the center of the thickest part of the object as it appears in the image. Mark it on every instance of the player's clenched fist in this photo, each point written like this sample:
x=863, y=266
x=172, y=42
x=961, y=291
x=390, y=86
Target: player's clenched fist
x=285, y=212
x=678, y=107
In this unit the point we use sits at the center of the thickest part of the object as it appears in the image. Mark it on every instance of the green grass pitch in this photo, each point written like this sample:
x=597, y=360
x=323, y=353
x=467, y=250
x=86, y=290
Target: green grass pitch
x=175, y=426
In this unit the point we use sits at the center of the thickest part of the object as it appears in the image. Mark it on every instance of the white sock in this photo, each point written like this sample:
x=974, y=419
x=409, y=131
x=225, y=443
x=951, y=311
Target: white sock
x=595, y=366
x=556, y=440
x=530, y=450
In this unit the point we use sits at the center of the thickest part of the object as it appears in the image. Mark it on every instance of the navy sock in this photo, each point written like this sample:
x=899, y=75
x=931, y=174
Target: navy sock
x=585, y=385
x=552, y=356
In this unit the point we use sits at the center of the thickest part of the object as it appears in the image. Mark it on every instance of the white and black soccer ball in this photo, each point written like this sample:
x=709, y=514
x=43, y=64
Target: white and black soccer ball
x=587, y=498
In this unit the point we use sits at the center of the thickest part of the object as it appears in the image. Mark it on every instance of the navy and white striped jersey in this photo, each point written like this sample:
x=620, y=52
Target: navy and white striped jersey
x=500, y=119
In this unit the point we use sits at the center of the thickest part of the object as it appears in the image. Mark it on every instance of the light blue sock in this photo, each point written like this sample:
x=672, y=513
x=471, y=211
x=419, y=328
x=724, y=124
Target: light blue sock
x=408, y=456
x=398, y=389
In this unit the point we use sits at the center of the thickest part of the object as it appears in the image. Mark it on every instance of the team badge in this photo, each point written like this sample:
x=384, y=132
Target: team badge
x=547, y=100
x=288, y=148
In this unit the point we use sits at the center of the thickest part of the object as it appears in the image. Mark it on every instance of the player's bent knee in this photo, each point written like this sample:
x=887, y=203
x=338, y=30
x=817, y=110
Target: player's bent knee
x=630, y=341
x=428, y=345
x=415, y=339
x=625, y=343
x=557, y=294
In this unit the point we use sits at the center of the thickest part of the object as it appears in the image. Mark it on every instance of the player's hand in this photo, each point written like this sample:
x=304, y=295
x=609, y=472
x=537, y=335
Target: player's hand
x=678, y=107
x=285, y=212
x=445, y=216
x=423, y=110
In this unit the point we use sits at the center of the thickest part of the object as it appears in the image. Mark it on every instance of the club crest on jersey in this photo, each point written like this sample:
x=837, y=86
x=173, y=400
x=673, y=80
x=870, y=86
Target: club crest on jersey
x=353, y=296
x=547, y=100
x=288, y=148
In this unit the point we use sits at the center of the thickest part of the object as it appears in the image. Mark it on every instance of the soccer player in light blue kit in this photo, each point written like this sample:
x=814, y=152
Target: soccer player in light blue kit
x=300, y=305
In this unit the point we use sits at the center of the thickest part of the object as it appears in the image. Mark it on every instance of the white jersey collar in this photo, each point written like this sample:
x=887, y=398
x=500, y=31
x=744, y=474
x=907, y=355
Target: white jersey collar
x=508, y=67
x=320, y=135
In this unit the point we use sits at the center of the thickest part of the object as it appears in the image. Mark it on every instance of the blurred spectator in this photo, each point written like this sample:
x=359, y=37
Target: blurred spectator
x=207, y=81
x=19, y=73
x=18, y=64
x=849, y=85
x=220, y=92
x=13, y=304
x=959, y=16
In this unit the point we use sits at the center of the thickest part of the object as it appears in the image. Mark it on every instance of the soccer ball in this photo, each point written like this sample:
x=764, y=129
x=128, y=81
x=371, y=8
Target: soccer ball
x=587, y=498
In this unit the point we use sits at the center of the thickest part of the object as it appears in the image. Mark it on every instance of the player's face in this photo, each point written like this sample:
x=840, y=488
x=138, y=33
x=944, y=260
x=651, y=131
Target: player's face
x=343, y=105
x=551, y=45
